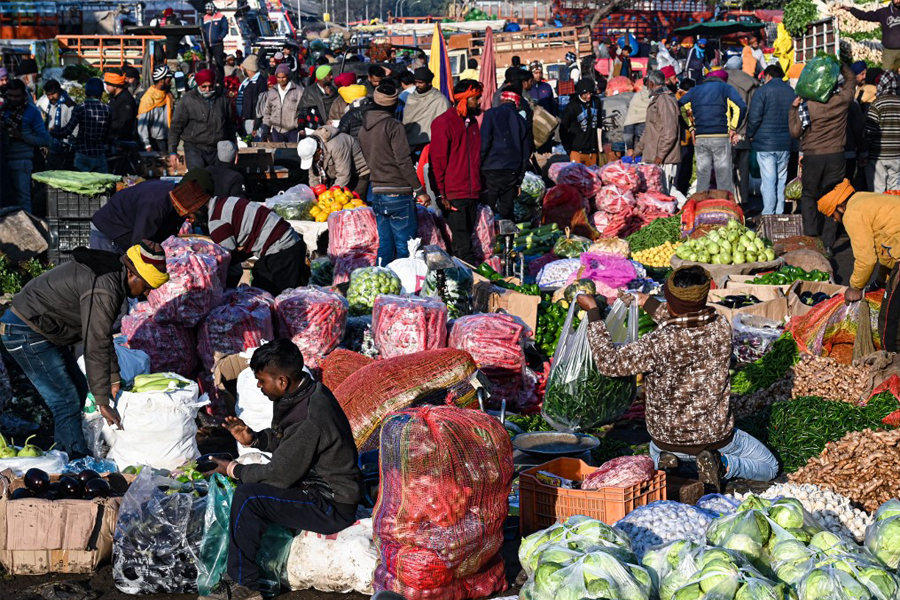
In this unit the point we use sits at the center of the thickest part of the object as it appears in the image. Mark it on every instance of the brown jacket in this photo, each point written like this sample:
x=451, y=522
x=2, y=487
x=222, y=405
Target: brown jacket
x=660, y=139
x=827, y=131
x=384, y=146
x=685, y=367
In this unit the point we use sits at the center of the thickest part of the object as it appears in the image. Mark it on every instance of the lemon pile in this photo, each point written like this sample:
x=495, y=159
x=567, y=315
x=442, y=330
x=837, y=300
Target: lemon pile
x=660, y=256
x=334, y=200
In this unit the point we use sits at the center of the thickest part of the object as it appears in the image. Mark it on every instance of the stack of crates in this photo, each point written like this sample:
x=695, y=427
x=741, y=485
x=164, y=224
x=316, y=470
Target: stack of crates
x=69, y=216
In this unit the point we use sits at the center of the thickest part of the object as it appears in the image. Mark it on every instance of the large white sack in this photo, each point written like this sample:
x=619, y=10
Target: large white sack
x=252, y=407
x=158, y=428
x=336, y=563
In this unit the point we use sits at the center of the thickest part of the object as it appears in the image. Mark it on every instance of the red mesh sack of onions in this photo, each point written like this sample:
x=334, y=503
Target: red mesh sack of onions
x=585, y=179
x=621, y=175
x=613, y=199
x=624, y=471
x=170, y=347
x=651, y=177
x=352, y=232
x=430, y=227
x=483, y=236
x=408, y=324
x=197, y=271
x=243, y=321
x=657, y=202
x=345, y=265
x=438, y=527
x=314, y=319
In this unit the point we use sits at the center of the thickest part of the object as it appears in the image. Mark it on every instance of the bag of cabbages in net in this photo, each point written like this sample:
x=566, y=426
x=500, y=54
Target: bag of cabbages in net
x=578, y=534
x=883, y=535
x=407, y=324
x=368, y=283
x=596, y=574
x=156, y=544
x=613, y=199
x=352, y=232
x=237, y=325
x=170, y=347
x=445, y=474
x=197, y=272
x=314, y=319
x=578, y=397
x=158, y=427
x=624, y=177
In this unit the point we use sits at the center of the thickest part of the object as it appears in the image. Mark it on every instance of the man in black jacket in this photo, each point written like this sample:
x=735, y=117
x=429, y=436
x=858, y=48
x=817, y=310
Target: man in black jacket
x=505, y=152
x=122, y=107
x=313, y=481
x=202, y=119
x=579, y=125
x=70, y=304
x=249, y=92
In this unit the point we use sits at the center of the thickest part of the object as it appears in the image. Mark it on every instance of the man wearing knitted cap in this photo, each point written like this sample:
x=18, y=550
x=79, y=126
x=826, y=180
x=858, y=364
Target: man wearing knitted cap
x=155, y=111
x=423, y=106
x=78, y=302
x=251, y=89
x=687, y=389
x=281, y=111
x=122, y=107
x=152, y=210
x=873, y=223
x=202, y=119
x=92, y=119
x=318, y=97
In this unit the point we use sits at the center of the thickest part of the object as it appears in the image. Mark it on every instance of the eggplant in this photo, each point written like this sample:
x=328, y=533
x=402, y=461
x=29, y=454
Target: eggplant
x=69, y=487
x=22, y=493
x=37, y=481
x=88, y=474
x=117, y=483
x=97, y=488
x=820, y=297
x=206, y=464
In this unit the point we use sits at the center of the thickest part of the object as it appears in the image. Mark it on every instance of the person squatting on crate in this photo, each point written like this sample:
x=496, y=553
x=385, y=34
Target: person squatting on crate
x=685, y=365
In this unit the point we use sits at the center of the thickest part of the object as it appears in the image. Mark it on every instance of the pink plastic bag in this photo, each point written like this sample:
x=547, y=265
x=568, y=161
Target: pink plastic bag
x=651, y=177
x=612, y=199
x=178, y=246
x=352, y=232
x=620, y=175
x=609, y=269
x=408, y=324
x=430, y=228
x=483, y=236
x=345, y=265
x=656, y=202
x=243, y=321
x=171, y=348
x=624, y=471
x=314, y=319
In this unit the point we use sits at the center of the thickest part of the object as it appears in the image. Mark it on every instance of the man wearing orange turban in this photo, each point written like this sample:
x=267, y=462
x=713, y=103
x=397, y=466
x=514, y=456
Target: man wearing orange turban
x=122, y=107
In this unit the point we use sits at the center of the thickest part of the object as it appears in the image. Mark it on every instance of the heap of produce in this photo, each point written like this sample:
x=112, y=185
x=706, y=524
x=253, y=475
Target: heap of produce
x=787, y=275
x=333, y=199
x=551, y=318
x=366, y=284
x=826, y=377
x=735, y=301
x=809, y=299
x=27, y=451
x=663, y=522
x=536, y=240
x=656, y=234
x=457, y=289
x=156, y=382
x=732, y=244
x=768, y=369
x=753, y=337
x=659, y=256
x=488, y=272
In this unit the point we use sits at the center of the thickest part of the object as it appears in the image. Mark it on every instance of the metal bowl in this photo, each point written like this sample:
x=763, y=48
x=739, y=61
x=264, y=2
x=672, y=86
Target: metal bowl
x=554, y=444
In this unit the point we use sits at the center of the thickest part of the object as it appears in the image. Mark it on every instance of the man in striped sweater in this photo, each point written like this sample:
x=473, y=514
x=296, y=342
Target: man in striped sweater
x=883, y=134
x=248, y=229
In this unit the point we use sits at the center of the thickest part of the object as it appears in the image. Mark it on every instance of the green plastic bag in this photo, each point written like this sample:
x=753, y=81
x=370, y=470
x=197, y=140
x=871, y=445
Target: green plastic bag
x=818, y=79
x=273, y=551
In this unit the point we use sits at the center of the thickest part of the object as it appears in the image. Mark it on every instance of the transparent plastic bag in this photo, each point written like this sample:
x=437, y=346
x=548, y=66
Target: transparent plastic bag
x=554, y=275
x=407, y=324
x=368, y=283
x=293, y=204
x=313, y=318
x=753, y=337
x=663, y=522
x=593, y=575
x=883, y=535
x=532, y=189
x=843, y=578
x=818, y=78
x=578, y=534
x=578, y=397
x=321, y=272
x=571, y=246
x=458, y=285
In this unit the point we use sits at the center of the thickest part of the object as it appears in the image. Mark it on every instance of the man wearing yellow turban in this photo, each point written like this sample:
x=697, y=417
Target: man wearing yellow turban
x=873, y=223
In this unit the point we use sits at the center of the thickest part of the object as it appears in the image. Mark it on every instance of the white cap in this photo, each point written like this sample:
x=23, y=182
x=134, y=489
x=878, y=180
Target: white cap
x=306, y=149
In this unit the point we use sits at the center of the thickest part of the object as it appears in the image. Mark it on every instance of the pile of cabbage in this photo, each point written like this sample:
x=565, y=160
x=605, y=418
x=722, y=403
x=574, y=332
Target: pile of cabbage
x=582, y=558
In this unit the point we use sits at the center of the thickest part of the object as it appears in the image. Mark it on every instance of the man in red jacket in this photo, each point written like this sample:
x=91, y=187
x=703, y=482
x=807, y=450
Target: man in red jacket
x=455, y=156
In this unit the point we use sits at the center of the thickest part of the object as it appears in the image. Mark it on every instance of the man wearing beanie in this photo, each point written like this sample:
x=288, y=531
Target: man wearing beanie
x=122, y=107
x=686, y=383
x=392, y=177
x=579, y=124
x=78, y=302
x=92, y=119
x=155, y=111
x=281, y=112
x=872, y=222
x=252, y=88
x=202, y=119
x=318, y=98
x=225, y=175
x=422, y=107
x=153, y=210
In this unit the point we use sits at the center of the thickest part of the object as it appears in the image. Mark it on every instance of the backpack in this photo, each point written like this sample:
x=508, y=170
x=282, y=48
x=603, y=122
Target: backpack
x=261, y=104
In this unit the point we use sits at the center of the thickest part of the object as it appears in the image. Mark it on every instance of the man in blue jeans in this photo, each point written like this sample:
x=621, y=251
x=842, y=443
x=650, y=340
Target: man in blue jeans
x=22, y=132
x=78, y=302
x=686, y=383
x=393, y=178
x=767, y=127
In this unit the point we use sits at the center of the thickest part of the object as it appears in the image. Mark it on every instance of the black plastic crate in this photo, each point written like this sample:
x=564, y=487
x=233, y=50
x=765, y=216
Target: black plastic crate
x=67, y=205
x=779, y=227
x=68, y=234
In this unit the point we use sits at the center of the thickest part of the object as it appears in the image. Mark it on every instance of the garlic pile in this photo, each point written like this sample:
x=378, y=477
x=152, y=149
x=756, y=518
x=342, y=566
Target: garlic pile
x=831, y=510
x=662, y=522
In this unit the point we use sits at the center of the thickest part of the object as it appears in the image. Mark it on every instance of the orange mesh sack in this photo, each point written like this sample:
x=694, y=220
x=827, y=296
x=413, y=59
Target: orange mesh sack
x=438, y=526
x=341, y=364
x=830, y=328
x=443, y=376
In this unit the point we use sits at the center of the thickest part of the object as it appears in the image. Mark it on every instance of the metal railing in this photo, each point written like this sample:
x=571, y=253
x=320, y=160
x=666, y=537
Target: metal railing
x=102, y=51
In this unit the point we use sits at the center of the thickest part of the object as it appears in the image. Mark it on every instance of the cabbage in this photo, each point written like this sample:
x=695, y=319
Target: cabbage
x=596, y=531
x=719, y=577
x=558, y=554
x=793, y=571
x=671, y=584
x=790, y=550
x=883, y=538
x=787, y=514
x=715, y=554
x=830, y=584
x=889, y=509
x=758, y=589
x=754, y=502
x=689, y=592
x=547, y=579
x=825, y=541
x=746, y=545
x=882, y=584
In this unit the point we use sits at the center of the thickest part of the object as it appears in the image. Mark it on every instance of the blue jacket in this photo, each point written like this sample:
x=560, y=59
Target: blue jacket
x=767, y=123
x=215, y=28
x=716, y=106
x=34, y=135
x=505, y=142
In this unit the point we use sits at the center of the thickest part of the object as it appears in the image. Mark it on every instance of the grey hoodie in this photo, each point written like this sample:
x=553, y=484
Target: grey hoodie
x=343, y=157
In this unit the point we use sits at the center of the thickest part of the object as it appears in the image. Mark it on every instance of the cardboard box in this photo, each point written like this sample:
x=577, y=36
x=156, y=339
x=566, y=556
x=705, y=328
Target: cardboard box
x=775, y=308
x=740, y=285
x=797, y=308
x=54, y=536
x=489, y=299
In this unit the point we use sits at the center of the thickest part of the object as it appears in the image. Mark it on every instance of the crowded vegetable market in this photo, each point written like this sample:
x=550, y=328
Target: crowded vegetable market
x=450, y=301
